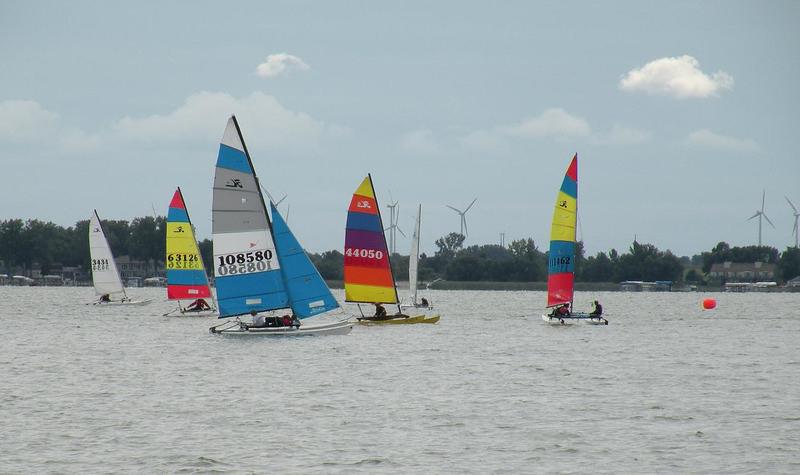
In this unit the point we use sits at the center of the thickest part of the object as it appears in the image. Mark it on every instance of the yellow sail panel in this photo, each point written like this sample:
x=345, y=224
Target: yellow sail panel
x=180, y=239
x=369, y=293
x=365, y=188
x=564, y=218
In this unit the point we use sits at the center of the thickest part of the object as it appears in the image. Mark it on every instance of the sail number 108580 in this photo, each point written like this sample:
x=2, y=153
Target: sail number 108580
x=243, y=262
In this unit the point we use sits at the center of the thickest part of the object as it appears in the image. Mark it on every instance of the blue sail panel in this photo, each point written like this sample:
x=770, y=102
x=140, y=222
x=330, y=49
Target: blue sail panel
x=241, y=294
x=308, y=293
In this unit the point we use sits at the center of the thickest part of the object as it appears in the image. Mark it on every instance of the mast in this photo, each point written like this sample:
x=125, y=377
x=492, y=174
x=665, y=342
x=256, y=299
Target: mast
x=389, y=252
x=414, y=257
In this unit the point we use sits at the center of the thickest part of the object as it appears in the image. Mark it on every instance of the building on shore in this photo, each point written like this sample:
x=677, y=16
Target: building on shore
x=742, y=271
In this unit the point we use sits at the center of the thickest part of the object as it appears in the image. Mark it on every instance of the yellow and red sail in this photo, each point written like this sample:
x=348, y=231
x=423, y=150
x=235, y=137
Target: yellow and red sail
x=367, y=271
x=186, y=274
x=561, y=259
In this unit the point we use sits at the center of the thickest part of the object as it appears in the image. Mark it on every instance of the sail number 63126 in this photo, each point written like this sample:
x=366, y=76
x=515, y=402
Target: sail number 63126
x=368, y=253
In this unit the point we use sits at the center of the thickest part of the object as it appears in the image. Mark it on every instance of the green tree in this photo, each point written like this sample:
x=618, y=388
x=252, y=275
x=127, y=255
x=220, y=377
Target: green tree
x=449, y=245
x=789, y=264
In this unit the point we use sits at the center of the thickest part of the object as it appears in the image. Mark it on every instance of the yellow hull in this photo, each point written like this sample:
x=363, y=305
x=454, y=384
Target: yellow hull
x=401, y=320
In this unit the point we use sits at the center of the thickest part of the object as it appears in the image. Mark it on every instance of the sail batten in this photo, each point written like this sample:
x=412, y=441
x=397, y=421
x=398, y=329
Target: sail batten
x=246, y=266
x=561, y=258
x=367, y=269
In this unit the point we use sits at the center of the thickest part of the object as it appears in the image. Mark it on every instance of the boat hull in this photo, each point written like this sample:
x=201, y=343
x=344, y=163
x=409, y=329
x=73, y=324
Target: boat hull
x=401, y=320
x=121, y=303
x=575, y=319
x=337, y=328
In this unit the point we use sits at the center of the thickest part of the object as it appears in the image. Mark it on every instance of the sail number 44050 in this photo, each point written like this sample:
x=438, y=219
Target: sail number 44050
x=243, y=262
x=368, y=253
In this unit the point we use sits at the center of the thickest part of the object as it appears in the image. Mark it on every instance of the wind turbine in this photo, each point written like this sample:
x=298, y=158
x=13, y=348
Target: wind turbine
x=760, y=214
x=796, y=215
x=394, y=215
x=463, y=217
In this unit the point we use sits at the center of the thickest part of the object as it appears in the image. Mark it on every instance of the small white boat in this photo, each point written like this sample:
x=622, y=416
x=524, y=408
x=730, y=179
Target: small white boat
x=259, y=266
x=413, y=271
x=576, y=318
x=105, y=276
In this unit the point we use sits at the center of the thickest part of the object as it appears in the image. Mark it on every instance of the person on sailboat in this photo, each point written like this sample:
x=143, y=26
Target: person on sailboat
x=198, y=305
x=105, y=298
x=258, y=320
x=424, y=302
x=286, y=321
x=563, y=311
x=379, y=310
x=598, y=309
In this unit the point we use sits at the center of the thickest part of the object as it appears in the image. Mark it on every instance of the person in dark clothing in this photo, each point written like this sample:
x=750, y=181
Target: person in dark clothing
x=563, y=311
x=598, y=309
x=424, y=302
x=379, y=310
x=286, y=320
x=105, y=298
x=198, y=305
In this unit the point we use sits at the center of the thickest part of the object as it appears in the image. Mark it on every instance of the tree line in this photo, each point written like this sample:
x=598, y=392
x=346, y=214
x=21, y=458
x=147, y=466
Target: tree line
x=24, y=244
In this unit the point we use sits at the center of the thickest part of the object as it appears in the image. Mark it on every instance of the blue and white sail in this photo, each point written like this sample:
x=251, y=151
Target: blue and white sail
x=309, y=295
x=246, y=266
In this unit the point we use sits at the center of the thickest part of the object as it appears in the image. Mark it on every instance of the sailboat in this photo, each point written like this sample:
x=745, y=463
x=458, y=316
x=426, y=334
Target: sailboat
x=186, y=274
x=367, y=269
x=561, y=259
x=413, y=269
x=258, y=264
x=105, y=276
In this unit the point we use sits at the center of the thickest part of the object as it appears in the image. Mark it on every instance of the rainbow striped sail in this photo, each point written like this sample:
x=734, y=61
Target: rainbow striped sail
x=561, y=260
x=367, y=272
x=186, y=274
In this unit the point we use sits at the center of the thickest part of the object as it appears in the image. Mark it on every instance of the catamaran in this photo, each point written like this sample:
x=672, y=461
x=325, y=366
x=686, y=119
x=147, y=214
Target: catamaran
x=258, y=264
x=186, y=274
x=413, y=269
x=561, y=259
x=105, y=276
x=367, y=268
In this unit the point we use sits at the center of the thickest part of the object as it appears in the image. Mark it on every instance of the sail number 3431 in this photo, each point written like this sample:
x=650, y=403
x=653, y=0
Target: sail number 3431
x=243, y=262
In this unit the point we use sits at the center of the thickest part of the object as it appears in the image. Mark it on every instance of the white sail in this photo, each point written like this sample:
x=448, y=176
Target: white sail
x=413, y=259
x=105, y=275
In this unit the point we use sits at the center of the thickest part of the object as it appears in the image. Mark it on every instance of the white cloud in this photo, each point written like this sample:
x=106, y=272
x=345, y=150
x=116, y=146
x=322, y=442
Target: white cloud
x=76, y=141
x=679, y=77
x=707, y=138
x=264, y=121
x=24, y=121
x=420, y=142
x=554, y=123
x=281, y=63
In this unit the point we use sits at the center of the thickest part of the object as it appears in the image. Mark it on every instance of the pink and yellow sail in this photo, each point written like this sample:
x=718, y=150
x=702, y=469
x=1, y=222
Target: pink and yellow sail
x=367, y=271
x=186, y=274
x=561, y=259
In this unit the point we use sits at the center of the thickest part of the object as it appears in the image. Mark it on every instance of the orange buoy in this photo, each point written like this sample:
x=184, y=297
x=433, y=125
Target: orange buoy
x=709, y=303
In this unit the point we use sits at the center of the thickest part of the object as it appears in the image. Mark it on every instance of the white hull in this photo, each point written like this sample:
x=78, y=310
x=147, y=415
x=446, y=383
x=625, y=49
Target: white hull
x=238, y=328
x=575, y=319
x=201, y=313
x=120, y=303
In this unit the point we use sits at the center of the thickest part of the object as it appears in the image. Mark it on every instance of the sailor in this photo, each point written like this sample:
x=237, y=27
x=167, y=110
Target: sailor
x=563, y=311
x=424, y=302
x=379, y=310
x=598, y=309
x=105, y=298
x=198, y=305
x=258, y=320
x=286, y=321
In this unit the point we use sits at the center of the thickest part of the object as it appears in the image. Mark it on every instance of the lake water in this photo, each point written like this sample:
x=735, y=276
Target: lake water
x=666, y=387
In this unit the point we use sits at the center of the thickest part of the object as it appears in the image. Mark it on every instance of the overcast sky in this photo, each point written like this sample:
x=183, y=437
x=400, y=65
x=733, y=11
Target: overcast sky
x=681, y=113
